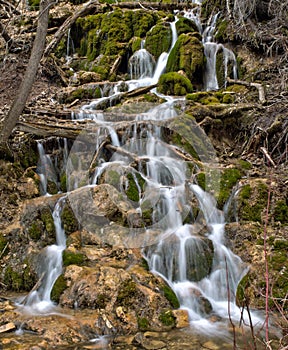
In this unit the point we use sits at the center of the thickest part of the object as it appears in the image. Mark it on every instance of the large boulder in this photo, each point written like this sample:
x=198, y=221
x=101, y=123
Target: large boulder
x=159, y=39
x=188, y=55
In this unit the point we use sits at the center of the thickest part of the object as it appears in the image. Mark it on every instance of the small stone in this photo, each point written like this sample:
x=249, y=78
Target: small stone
x=210, y=345
x=153, y=344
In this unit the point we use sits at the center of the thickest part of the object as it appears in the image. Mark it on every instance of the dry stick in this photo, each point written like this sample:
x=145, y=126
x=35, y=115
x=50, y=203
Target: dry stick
x=267, y=155
x=251, y=324
x=229, y=311
x=266, y=265
x=258, y=86
x=3, y=251
x=36, y=286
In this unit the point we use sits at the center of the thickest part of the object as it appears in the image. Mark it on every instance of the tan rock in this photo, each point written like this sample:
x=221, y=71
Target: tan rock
x=182, y=318
x=7, y=327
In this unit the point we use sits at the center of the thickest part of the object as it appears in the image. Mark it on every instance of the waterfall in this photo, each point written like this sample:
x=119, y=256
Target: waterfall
x=45, y=169
x=49, y=269
x=212, y=51
x=141, y=64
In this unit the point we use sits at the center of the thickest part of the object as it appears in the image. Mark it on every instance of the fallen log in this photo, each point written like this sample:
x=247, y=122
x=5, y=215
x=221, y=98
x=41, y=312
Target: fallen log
x=258, y=86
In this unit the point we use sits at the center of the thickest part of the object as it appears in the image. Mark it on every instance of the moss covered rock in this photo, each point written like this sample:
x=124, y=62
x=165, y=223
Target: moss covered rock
x=174, y=84
x=59, y=286
x=188, y=55
x=159, y=39
x=185, y=25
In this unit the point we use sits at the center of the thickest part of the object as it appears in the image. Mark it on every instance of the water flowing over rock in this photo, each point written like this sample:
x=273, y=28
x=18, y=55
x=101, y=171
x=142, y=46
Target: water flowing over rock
x=141, y=210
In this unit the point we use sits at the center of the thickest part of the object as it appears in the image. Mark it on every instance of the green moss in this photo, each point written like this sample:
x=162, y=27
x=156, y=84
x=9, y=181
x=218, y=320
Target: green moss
x=59, y=286
x=280, y=244
x=35, y=230
x=253, y=202
x=185, y=25
x=47, y=219
x=281, y=212
x=241, y=297
x=143, y=323
x=136, y=44
x=174, y=84
x=34, y=4
x=167, y=318
x=170, y=296
x=244, y=164
x=210, y=100
x=73, y=258
x=69, y=221
x=228, y=98
x=159, y=39
x=203, y=97
x=144, y=264
x=222, y=34
x=63, y=182
x=188, y=55
x=197, y=96
x=229, y=178
x=220, y=68
x=132, y=191
x=127, y=290
x=150, y=97
x=13, y=279
x=52, y=187
x=20, y=281
x=142, y=22
x=201, y=180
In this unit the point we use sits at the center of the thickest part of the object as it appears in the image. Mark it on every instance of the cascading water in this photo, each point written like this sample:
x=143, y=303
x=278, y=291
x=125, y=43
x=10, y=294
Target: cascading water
x=216, y=54
x=45, y=169
x=50, y=268
x=195, y=262
x=201, y=273
x=141, y=64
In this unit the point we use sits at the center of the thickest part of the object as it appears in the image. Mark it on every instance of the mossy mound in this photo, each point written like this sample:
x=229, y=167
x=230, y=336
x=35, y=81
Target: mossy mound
x=159, y=39
x=188, y=55
x=185, y=25
x=40, y=224
x=73, y=258
x=103, y=38
x=203, y=97
x=20, y=278
x=69, y=220
x=174, y=84
x=59, y=286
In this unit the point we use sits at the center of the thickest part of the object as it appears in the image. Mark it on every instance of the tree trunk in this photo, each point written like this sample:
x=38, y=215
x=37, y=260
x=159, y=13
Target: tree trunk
x=18, y=105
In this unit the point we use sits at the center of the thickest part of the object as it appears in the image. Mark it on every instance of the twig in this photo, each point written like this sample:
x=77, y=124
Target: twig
x=266, y=265
x=266, y=154
x=3, y=250
x=229, y=311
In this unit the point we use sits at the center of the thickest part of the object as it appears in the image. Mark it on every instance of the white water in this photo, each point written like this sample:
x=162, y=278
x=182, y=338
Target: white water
x=211, y=49
x=49, y=269
x=45, y=169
